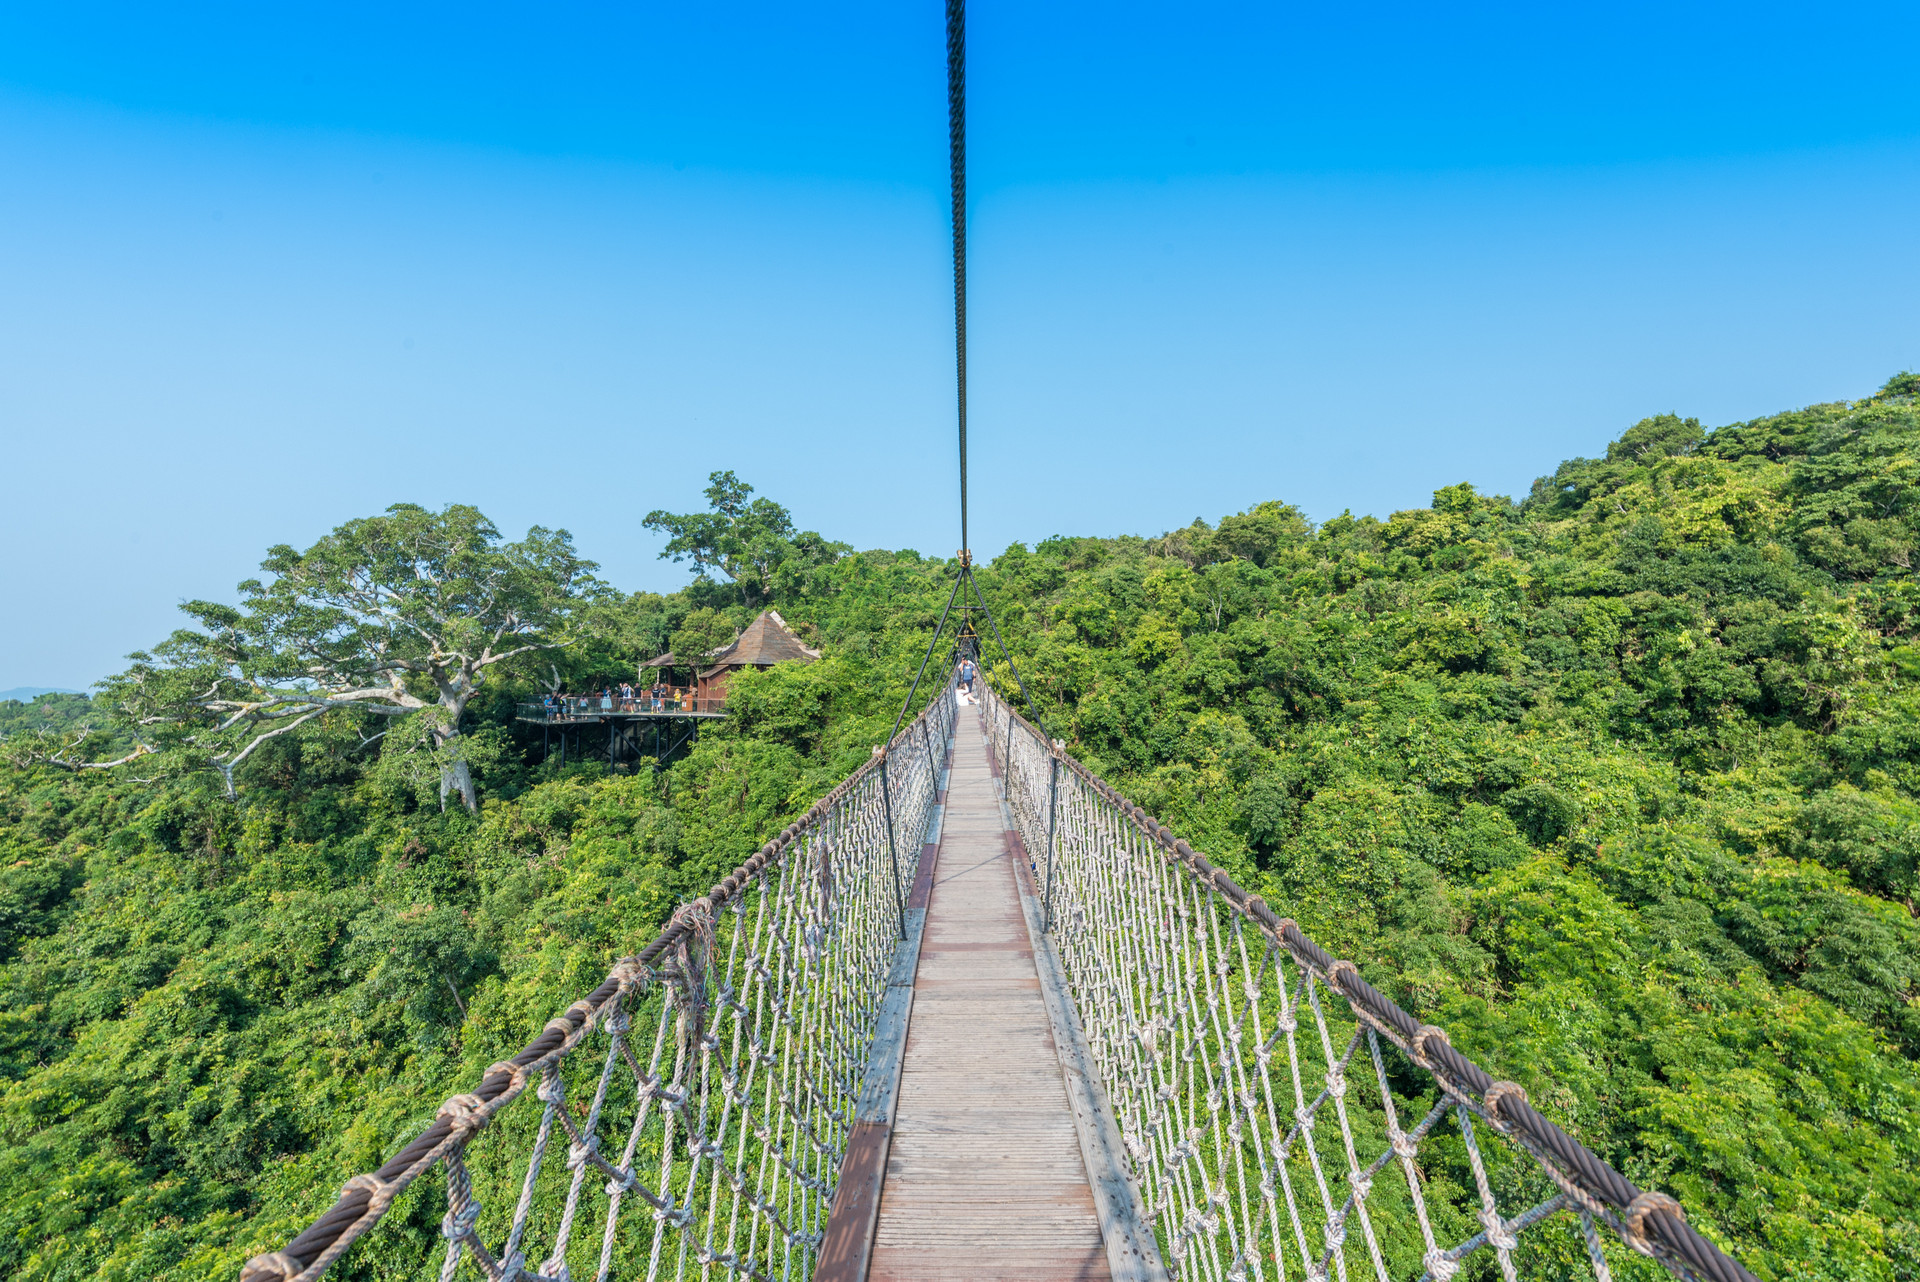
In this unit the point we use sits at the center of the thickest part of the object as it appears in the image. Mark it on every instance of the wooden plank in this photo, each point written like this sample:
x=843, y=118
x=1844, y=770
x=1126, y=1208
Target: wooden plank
x=845, y=1249
x=985, y=1178
x=881, y=1087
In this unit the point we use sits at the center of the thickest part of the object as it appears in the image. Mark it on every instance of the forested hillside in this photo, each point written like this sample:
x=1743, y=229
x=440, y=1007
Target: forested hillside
x=1620, y=783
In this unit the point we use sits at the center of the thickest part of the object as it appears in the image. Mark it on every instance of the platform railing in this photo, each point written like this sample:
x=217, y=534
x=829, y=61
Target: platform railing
x=592, y=707
x=1282, y=1117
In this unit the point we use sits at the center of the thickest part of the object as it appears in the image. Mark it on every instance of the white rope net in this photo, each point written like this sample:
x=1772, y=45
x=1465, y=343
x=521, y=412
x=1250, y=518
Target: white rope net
x=1276, y=1127
x=694, y=1110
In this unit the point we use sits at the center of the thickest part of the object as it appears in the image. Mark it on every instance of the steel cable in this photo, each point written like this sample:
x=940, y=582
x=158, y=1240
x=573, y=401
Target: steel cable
x=957, y=178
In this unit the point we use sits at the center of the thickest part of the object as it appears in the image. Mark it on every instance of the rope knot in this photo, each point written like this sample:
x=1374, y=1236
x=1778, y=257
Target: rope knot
x=372, y=1184
x=1339, y=968
x=1498, y=1234
x=1422, y=1035
x=1636, y=1218
x=457, y=1224
x=1497, y=1096
x=465, y=1112
x=1440, y=1266
x=277, y=1266
x=628, y=971
x=511, y=1069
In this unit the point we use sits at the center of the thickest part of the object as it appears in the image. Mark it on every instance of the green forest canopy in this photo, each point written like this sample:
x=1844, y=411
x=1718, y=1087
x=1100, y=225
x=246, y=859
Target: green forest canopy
x=1619, y=783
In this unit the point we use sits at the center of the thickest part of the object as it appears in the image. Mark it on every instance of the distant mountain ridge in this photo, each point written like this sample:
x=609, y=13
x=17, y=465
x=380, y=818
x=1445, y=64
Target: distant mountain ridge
x=27, y=694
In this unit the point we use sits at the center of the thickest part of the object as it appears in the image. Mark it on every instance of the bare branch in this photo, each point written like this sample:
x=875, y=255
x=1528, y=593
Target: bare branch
x=139, y=750
x=227, y=768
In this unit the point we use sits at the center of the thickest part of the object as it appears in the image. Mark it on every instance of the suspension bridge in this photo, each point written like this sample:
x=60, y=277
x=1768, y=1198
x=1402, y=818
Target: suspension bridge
x=976, y=1016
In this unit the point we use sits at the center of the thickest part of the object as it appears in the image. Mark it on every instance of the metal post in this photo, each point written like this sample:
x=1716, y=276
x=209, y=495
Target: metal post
x=1053, y=801
x=893, y=855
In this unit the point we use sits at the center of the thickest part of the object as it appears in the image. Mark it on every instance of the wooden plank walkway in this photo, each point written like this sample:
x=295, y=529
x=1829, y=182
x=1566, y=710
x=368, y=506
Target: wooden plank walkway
x=985, y=1178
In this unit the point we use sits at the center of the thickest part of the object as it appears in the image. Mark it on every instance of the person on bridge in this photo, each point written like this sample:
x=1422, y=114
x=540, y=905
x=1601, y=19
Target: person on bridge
x=967, y=673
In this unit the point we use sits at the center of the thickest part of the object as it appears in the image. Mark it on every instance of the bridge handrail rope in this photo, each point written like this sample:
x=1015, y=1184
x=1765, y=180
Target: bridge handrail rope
x=1155, y=940
x=763, y=996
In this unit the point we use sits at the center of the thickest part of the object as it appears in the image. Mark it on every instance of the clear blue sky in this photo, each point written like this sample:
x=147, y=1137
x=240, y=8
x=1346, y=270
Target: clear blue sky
x=264, y=268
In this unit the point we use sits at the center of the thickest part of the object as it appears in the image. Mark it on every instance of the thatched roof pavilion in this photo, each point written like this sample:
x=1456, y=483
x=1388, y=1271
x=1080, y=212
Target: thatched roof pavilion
x=766, y=641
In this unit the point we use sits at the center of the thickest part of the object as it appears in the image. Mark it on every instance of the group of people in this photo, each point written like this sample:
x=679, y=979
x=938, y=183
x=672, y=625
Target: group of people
x=655, y=698
x=626, y=698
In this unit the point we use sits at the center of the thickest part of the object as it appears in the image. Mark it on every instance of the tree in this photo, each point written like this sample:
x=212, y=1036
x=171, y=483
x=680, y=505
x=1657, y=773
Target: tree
x=748, y=542
x=392, y=616
x=701, y=633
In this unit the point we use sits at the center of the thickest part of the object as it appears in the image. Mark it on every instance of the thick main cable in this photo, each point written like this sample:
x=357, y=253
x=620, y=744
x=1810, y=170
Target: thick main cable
x=957, y=175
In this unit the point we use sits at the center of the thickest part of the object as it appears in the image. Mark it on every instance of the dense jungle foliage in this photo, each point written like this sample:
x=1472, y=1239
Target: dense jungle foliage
x=1619, y=783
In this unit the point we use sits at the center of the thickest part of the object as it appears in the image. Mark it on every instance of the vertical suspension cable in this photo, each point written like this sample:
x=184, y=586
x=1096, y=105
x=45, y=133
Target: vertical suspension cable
x=957, y=174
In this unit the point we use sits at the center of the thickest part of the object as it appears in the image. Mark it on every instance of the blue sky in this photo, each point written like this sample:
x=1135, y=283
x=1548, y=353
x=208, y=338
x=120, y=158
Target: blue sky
x=266, y=268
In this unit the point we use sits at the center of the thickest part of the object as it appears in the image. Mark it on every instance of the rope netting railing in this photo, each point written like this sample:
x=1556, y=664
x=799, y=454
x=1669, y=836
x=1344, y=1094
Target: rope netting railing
x=1282, y=1118
x=693, y=1110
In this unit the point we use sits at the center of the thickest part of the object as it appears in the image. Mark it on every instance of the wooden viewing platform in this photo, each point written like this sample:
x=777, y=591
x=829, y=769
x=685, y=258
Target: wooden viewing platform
x=634, y=728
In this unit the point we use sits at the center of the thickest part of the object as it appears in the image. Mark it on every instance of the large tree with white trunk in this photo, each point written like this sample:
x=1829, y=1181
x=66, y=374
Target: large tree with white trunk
x=402, y=615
